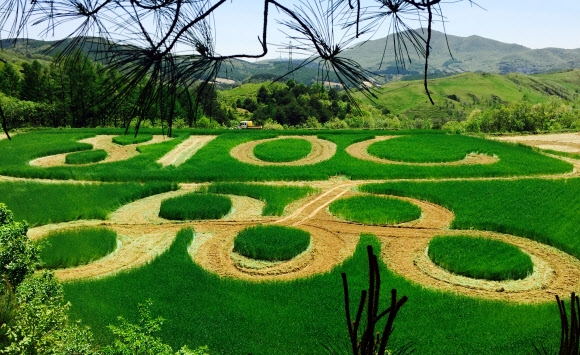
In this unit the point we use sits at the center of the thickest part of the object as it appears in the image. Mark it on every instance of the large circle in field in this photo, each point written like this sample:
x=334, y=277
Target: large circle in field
x=480, y=258
x=422, y=149
x=271, y=243
x=283, y=150
x=321, y=150
x=375, y=210
x=195, y=206
x=74, y=247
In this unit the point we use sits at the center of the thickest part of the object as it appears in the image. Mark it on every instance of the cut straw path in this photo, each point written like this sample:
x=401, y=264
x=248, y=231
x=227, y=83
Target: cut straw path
x=185, y=150
x=115, y=152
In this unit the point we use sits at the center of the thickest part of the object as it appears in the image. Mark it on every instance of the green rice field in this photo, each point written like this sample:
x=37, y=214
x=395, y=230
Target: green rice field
x=283, y=150
x=271, y=243
x=86, y=157
x=525, y=194
x=375, y=210
x=74, y=247
x=480, y=258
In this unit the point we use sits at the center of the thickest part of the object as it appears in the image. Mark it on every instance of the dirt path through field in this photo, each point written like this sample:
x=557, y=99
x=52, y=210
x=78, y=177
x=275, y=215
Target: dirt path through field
x=360, y=151
x=185, y=150
x=321, y=150
x=564, y=142
x=115, y=152
x=143, y=235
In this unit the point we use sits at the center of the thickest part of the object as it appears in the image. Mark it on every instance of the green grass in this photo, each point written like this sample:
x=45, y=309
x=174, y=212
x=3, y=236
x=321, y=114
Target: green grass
x=480, y=258
x=214, y=163
x=73, y=247
x=41, y=203
x=86, y=157
x=375, y=210
x=283, y=150
x=424, y=149
x=276, y=198
x=194, y=206
x=544, y=210
x=128, y=139
x=296, y=317
x=271, y=243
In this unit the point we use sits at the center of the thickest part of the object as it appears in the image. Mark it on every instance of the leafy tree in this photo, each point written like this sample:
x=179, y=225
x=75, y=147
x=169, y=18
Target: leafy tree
x=34, y=82
x=41, y=324
x=153, y=30
x=9, y=80
x=18, y=256
x=140, y=339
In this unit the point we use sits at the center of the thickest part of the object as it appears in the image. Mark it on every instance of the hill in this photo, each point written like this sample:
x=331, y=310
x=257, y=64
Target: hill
x=470, y=54
x=456, y=96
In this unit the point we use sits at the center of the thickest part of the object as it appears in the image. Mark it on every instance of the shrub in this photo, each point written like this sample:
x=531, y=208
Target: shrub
x=271, y=243
x=195, y=206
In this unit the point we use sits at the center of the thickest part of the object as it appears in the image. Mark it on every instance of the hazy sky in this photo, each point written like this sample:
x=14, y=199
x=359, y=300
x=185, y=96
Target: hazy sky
x=532, y=23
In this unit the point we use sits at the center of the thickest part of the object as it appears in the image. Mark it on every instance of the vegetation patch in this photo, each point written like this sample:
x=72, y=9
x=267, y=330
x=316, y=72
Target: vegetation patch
x=86, y=157
x=41, y=203
x=73, y=247
x=275, y=197
x=195, y=206
x=271, y=243
x=432, y=148
x=127, y=139
x=480, y=258
x=375, y=210
x=283, y=150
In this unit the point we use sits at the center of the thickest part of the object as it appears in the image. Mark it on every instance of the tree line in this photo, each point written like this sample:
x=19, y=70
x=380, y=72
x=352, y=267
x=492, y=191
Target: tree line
x=78, y=92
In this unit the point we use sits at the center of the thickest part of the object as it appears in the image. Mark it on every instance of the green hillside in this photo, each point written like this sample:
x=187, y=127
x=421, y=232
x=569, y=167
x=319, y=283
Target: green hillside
x=459, y=94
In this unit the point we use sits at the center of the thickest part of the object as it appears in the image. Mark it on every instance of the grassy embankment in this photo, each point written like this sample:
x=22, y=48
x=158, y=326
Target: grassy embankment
x=374, y=210
x=73, y=247
x=480, y=258
x=271, y=243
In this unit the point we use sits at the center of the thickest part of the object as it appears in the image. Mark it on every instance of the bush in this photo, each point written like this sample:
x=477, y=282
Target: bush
x=271, y=243
x=195, y=206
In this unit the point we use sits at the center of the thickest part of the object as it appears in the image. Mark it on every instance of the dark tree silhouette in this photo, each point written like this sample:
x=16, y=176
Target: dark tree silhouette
x=152, y=32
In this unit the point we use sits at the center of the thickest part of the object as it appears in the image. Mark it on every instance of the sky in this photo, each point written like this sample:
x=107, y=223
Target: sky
x=531, y=23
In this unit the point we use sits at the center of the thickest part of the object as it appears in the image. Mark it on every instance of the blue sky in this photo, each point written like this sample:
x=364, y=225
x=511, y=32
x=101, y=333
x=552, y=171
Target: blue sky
x=529, y=23
x=532, y=23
